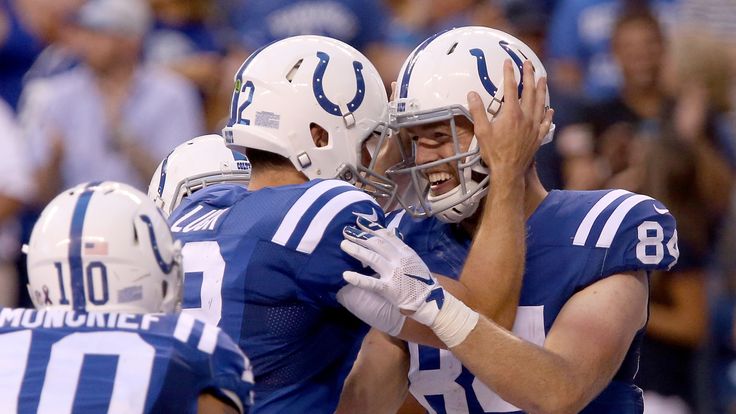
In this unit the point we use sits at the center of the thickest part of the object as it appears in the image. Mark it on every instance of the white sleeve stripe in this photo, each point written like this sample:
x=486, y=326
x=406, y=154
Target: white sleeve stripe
x=396, y=220
x=319, y=223
x=614, y=222
x=290, y=221
x=581, y=235
x=208, y=340
x=184, y=326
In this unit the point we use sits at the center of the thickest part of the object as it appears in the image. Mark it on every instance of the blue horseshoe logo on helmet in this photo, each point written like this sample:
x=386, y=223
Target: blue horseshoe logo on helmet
x=165, y=267
x=483, y=70
x=319, y=92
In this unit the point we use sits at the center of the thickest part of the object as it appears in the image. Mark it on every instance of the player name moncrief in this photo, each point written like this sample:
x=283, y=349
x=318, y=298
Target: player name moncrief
x=31, y=318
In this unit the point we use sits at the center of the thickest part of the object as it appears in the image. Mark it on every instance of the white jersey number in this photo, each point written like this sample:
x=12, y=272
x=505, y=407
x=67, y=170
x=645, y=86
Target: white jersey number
x=203, y=261
x=529, y=325
x=651, y=235
x=132, y=375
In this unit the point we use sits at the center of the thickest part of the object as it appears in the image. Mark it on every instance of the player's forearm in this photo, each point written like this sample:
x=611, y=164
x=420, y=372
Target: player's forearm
x=494, y=267
x=377, y=382
x=526, y=375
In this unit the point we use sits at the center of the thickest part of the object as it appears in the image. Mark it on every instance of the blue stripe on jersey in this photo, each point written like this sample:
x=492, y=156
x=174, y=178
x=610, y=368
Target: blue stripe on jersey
x=300, y=206
x=311, y=212
x=39, y=356
x=93, y=368
x=75, y=246
x=596, y=228
x=196, y=334
x=586, y=225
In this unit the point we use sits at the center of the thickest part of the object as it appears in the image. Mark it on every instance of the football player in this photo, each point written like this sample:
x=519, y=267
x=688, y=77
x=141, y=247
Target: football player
x=582, y=303
x=193, y=165
x=101, y=259
x=264, y=263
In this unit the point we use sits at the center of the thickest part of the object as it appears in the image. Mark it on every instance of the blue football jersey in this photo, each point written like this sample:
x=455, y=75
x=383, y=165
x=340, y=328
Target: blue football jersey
x=266, y=266
x=54, y=361
x=574, y=239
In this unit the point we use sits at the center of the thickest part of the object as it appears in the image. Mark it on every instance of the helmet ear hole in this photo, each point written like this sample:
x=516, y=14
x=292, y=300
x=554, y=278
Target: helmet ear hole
x=320, y=136
x=292, y=72
x=452, y=48
x=135, y=235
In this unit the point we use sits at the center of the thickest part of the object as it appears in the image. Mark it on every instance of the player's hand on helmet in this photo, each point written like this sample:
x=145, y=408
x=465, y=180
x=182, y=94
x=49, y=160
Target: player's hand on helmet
x=512, y=139
x=401, y=276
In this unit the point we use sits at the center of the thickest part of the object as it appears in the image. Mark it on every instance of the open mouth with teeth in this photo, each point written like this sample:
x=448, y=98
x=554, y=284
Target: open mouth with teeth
x=440, y=182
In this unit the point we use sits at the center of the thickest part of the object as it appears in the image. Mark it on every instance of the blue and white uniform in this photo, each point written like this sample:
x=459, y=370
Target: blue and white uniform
x=266, y=266
x=574, y=239
x=54, y=361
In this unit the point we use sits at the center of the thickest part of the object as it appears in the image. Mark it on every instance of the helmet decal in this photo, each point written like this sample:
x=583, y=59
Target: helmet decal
x=165, y=267
x=103, y=273
x=404, y=89
x=236, y=116
x=519, y=63
x=319, y=93
x=237, y=111
x=75, y=246
x=162, y=179
x=480, y=58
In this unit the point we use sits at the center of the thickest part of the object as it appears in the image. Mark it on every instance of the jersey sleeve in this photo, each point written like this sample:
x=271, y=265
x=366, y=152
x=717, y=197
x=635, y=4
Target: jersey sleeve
x=642, y=238
x=232, y=375
x=322, y=274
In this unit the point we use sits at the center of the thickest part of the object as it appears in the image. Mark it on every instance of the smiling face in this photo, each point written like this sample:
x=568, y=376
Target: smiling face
x=434, y=142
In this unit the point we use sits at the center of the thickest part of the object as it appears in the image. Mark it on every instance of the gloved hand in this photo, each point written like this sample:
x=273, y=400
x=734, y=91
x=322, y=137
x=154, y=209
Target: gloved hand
x=402, y=277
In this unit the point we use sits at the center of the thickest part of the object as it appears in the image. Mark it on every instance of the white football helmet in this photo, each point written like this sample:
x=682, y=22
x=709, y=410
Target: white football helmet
x=432, y=86
x=194, y=165
x=285, y=88
x=103, y=247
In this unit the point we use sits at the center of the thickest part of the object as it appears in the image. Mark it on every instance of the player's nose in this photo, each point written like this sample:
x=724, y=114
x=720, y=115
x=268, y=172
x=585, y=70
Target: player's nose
x=425, y=153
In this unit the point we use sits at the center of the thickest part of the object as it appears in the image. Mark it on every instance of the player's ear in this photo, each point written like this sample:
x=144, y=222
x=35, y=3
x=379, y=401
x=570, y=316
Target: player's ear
x=319, y=135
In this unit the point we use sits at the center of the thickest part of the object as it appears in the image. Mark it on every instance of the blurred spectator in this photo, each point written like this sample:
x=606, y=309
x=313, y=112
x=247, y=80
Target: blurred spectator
x=25, y=27
x=579, y=43
x=528, y=21
x=111, y=118
x=185, y=39
x=678, y=318
x=16, y=187
x=602, y=153
x=360, y=23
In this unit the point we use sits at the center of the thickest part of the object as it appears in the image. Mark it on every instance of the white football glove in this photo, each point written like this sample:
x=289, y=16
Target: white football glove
x=402, y=277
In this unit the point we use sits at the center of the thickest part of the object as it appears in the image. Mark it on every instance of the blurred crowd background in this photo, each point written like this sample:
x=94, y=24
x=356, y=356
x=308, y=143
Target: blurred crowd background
x=644, y=93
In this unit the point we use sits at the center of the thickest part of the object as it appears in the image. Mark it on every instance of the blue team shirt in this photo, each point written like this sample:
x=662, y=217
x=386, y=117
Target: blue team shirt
x=356, y=22
x=266, y=266
x=574, y=239
x=61, y=362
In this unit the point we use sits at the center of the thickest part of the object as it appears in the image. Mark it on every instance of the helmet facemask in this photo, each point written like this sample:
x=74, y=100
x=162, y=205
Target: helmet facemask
x=366, y=174
x=459, y=202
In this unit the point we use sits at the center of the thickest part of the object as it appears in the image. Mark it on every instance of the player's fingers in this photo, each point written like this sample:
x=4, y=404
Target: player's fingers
x=540, y=103
x=367, y=256
x=368, y=225
x=546, y=126
x=510, y=92
x=362, y=281
x=478, y=112
x=393, y=91
x=529, y=90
